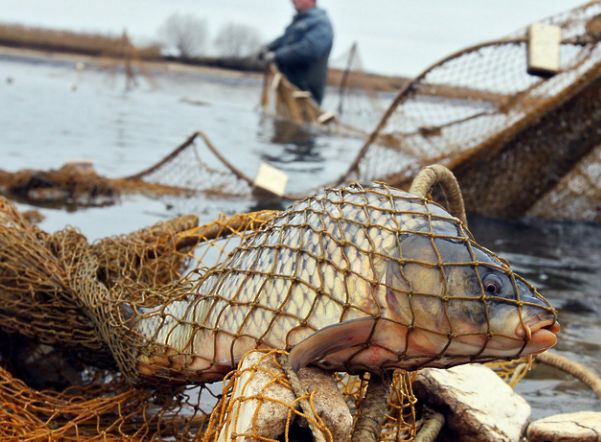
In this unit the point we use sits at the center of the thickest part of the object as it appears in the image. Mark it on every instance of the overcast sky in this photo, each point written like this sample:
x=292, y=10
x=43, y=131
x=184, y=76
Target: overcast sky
x=395, y=36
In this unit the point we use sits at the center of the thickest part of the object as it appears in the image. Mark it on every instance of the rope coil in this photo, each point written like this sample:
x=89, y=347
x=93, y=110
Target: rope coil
x=428, y=178
x=579, y=371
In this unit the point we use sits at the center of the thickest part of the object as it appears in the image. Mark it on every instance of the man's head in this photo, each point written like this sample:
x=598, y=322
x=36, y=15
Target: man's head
x=303, y=5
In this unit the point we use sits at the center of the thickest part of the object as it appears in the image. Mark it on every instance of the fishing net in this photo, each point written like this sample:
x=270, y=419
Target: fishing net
x=53, y=342
x=495, y=125
x=279, y=97
x=352, y=105
x=377, y=275
x=105, y=408
x=194, y=167
x=578, y=195
x=299, y=273
x=480, y=112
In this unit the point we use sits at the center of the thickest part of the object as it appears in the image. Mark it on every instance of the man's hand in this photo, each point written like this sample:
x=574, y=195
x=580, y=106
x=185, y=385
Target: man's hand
x=269, y=57
x=266, y=55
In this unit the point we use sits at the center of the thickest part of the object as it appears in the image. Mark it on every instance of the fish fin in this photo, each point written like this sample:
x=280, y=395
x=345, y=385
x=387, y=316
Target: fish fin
x=331, y=339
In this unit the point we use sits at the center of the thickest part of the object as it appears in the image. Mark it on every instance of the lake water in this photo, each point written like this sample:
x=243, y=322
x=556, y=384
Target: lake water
x=51, y=113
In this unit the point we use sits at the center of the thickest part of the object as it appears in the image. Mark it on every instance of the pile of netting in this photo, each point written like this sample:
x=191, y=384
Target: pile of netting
x=72, y=184
x=60, y=381
x=77, y=184
x=124, y=338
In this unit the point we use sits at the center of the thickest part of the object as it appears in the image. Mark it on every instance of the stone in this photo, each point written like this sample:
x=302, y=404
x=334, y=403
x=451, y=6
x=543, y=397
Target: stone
x=584, y=426
x=478, y=405
x=270, y=415
x=329, y=402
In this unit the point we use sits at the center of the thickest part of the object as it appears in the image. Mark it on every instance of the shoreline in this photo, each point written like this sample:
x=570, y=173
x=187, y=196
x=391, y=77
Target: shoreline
x=103, y=61
x=226, y=66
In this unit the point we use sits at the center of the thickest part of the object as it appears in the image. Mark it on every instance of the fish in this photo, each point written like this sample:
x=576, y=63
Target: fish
x=354, y=278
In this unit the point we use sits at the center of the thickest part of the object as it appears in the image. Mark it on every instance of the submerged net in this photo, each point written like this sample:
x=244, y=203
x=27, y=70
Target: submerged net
x=174, y=307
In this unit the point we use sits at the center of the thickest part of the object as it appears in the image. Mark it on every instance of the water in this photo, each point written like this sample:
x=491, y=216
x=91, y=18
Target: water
x=51, y=113
x=564, y=261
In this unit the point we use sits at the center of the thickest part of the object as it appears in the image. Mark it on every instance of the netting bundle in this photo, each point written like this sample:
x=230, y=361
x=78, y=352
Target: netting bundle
x=355, y=279
x=34, y=284
x=73, y=184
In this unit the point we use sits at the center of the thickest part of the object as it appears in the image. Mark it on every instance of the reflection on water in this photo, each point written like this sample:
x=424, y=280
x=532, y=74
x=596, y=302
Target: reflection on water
x=299, y=143
x=46, y=123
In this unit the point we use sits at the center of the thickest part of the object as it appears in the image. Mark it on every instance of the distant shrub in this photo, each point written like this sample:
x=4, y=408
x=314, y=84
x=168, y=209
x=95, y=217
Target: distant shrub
x=185, y=33
x=76, y=42
x=237, y=40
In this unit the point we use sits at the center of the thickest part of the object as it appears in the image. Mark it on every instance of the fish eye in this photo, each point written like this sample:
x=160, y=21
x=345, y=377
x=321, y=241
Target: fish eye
x=493, y=285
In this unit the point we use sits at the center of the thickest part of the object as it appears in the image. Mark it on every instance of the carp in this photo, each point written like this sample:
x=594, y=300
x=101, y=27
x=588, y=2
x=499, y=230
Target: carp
x=354, y=278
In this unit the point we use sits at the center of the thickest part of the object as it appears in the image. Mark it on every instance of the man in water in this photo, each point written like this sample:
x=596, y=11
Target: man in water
x=301, y=54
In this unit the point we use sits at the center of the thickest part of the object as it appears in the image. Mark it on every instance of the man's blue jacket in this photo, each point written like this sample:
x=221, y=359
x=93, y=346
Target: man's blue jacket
x=301, y=54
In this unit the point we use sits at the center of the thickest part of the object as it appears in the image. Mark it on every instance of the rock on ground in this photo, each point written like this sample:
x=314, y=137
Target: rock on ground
x=329, y=402
x=478, y=405
x=584, y=426
x=252, y=419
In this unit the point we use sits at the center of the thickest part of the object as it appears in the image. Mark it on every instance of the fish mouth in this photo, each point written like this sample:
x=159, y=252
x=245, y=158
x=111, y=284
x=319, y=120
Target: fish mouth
x=541, y=335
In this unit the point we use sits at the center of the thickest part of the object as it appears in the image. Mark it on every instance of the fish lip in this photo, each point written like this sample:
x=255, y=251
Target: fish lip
x=541, y=335
x=549, y=325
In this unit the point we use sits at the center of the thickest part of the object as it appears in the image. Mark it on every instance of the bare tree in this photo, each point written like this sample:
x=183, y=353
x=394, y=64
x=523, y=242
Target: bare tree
x=237, y=40
x=185, y=33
